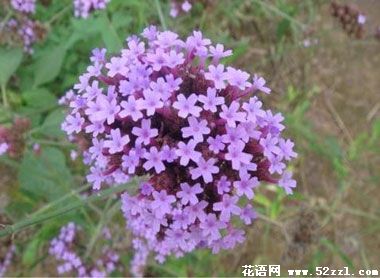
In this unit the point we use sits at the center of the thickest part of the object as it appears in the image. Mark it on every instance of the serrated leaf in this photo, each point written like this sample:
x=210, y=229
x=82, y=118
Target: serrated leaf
x=10, y=60
x=45, y=176
x=48, y=66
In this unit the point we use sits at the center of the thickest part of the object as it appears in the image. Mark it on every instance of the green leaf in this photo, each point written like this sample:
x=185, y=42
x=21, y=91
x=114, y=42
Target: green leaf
x=30, y=253
x=10, y=60
x=109, y=35
x=46, y=175
x=39, y=99
x=337, y=251
x=52, y=124
x=48, y=66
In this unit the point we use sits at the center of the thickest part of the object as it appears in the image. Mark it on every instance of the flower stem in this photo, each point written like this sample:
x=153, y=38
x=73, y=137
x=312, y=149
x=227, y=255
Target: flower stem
x=23, y=224
x=4, y=96
x=160, y=14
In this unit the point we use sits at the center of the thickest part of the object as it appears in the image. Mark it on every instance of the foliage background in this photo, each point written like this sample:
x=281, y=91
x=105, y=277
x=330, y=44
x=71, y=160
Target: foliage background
x=328, y=92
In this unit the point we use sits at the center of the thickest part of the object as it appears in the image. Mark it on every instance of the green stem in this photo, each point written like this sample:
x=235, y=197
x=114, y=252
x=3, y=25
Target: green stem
x=11, y=229
x=4, y=96
x=280, y=13
x=107, y=216
x=160, y=14
x=59, y=15
x=5, y=20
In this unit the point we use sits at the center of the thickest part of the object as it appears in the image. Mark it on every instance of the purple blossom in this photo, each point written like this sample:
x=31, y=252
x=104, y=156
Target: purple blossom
x=117, y=141
x=215, y=144
x=187, y=152
x=245, y=186
x=186, y=106
x=227, y=207
x=196, y=129
x=204, y=169
x=248, y=214
x=231, y=114
x=188, y=194
x=151, y=102
x=223, y=185
x=162, y=202
x=217, y=75
x=130, y=108
x=3, y=148
x=211, y=226
x=238, y=78
x=144, y=133
x=237, y=156
x=154, y=160
x=211, y=101
x=259, y=84
x=287, y=182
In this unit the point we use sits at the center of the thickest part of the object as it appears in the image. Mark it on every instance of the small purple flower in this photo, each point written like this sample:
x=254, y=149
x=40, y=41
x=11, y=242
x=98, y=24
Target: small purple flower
x=151, y=102
x=186, y=106
x=238, y=78
x=259, y=84
x=223, y=185
x=248, y=214
x=217, y=75
x=144, y=133
x=227, y=207
x=130, y=161
x=196, y=211
x=211, y=101
x=237, y=156
x=231, y=114
x=117, y=141
x=253, y=109
x=245, y=186
x=287, y=182
x=154, y=160
x=188, y=194
x=269, y=144
x=3, y=148
x=286, y=147
x=162, y=202
x=187, y=152
x=130, y=108
x=215, y=144
x=218, y=52
x=205, y=170
x=211, y=226
x=168, y=154
x=73, y=124
x=196, y=129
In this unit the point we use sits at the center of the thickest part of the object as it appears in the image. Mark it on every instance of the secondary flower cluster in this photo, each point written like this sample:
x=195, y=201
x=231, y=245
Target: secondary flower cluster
x=12, y=140
x=21, y=28
x=350, y=17
x=24, y=6
x=62, y=248
x=7, y=260
x=82, y=8
x=179, y=6
x=169, y=110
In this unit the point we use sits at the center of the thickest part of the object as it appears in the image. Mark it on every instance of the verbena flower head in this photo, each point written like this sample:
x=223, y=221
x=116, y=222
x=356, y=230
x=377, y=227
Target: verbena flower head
x=83, y=8
x=168, y=110
x=24, y=6
x=63, y=248
x=178, y=7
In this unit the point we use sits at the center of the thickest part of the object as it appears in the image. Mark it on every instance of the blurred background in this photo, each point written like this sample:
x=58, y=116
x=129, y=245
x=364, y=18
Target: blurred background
x=322, y=61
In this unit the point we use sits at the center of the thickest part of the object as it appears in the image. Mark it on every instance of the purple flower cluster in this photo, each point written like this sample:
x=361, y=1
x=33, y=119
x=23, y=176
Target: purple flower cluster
x=24, y=6
x=3, y=148
x=7, y=260
x=179, y=6
x=62, y=247
x=82, y=8
x=167, y=109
